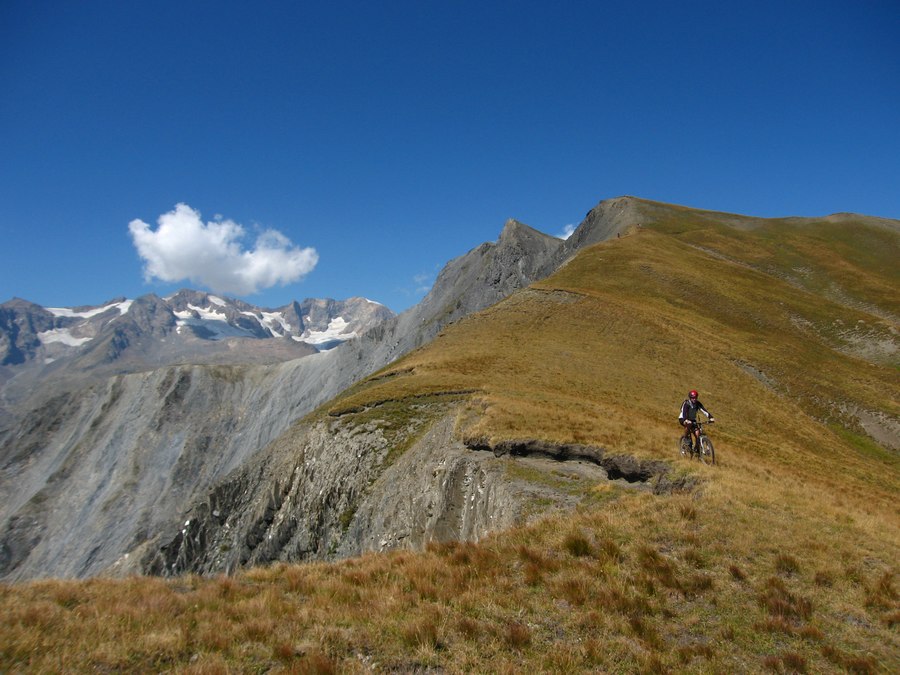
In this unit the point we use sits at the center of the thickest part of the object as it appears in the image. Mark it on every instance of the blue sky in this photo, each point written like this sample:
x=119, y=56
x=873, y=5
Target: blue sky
x=369, y=143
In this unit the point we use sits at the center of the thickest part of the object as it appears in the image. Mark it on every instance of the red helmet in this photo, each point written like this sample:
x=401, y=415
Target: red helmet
x=693, y=394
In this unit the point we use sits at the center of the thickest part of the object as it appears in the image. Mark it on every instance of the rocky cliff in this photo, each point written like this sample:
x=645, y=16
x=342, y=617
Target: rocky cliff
x=96, y=470
x=337, y=487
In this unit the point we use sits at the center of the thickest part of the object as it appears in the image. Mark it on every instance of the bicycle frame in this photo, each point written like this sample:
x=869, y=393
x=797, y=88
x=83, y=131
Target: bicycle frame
x=705, y=453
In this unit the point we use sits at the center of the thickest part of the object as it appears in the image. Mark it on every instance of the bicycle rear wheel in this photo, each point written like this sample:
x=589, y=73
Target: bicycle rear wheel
x=707, y=451
x=684, y=446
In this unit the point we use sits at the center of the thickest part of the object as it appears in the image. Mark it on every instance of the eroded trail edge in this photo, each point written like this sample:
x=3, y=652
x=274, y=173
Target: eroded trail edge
x=655, y=474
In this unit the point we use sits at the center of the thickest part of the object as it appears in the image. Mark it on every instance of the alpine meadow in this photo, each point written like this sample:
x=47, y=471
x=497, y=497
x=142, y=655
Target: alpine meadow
x=617, y=554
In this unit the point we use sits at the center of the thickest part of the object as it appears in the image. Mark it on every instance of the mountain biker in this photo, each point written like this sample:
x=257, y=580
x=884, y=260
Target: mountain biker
x=688, y=417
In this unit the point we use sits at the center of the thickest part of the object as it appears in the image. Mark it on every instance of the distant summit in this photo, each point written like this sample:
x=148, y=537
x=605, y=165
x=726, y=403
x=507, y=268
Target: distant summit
x=189, y=327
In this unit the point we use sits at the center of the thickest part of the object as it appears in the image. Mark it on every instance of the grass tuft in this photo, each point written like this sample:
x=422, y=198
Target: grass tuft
x=782, y=604
x=658, y=567
x=786, y=662
x=421, y=632
x=812, y=633
x=793, y=662
x=737, y=573
x=696, y=584
x=693, y=556
x=891, y=619
x=688, y=512
x=315, y=663
x=687, y=653
x=786, y=564
x=517, y=635
x=860, y=665
x=824, y=579
x=577, y=545
x=772, y=662
x=882, y=594
x=469, y=628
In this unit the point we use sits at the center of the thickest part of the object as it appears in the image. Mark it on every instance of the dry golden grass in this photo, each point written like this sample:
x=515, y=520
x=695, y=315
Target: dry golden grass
x=618, y=590
x=783, y=560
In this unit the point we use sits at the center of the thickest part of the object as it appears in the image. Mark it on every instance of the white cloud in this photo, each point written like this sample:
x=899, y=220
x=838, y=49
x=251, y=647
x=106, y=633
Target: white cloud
x=211, y=254
x=567, y=232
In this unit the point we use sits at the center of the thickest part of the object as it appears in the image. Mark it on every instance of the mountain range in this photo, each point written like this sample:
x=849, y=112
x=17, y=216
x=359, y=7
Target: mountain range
x=190, y=326
x=490, y=481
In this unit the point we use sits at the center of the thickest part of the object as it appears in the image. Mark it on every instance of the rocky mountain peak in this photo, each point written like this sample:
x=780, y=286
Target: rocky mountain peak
x=20, y=323
x=518, y=233
x=606, y=220
x=512, y=228
x=21, y=305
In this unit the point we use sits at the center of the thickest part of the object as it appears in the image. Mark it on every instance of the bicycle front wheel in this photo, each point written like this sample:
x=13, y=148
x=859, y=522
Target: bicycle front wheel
x=707, y=452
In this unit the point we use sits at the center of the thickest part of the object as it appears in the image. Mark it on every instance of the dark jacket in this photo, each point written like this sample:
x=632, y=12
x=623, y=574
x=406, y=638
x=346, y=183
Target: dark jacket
x=689, y=410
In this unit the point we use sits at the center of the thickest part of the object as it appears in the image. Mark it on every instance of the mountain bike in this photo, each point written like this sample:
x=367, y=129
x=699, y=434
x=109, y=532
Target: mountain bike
x=706, y=454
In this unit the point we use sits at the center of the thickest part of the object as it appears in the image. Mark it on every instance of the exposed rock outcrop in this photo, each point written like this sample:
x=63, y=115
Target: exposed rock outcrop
x=333, y=488
x=20, y=323
x=95, y=472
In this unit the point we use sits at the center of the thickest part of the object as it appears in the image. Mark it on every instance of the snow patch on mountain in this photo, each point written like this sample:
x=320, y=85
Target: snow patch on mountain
x=87, y=314
x=268, y=320
x=63, y=335
x=206, y=314
x=213, y=323
x=329, y=337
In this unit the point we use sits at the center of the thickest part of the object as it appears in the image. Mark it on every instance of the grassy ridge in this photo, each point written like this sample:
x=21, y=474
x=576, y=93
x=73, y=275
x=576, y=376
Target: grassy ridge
x=618, y=335
x=785, y=560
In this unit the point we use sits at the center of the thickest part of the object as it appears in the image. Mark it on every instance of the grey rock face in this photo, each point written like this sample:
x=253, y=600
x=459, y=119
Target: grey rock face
x=20, y=323
x=93, y=473
x=328, y=489
x=606, y=220
x=480, y=278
